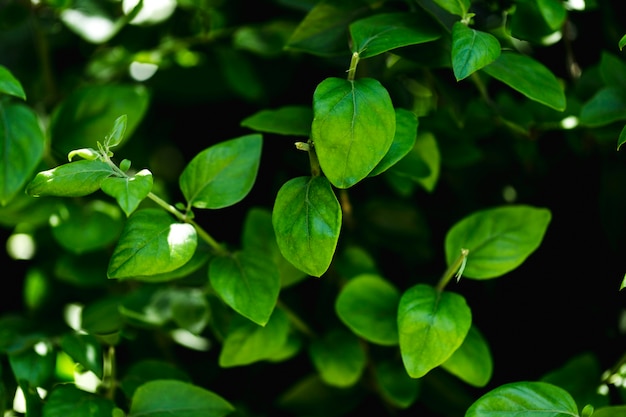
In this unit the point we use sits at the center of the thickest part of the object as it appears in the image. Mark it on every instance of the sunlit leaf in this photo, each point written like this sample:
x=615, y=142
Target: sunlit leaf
x=74, y=179
x=456, y=7
x=85, y=350
x=128, y=191
x=472, y=50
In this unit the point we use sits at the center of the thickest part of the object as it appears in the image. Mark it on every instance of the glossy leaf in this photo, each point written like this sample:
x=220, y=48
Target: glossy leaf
x=530, y=399
x=86, y=115
x=287, y=120
x=222, y=174
x=339, y=358
x=472, y=361
x=431, y=326
x=529, y=77
x=353, y=128
x=151, y=243
x=21, y=148
x=247, y=342
x=395, y=385
x=323, y=31
x=456, y=7
x=85, y=350
x=129, y=191
x=472, y=50
x=403, y=141
x=74, y=179
x=10, y=85
x=248, y=282
x=498, y=239
x=368, y=305
x=177, y=398
x=69, y=401
x=608, y=105
x=307, y=222
x=383, y=32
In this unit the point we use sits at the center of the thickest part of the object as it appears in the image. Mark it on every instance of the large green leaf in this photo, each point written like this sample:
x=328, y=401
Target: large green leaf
x=529, y=77
x=472, y=361
x=248, y=282
x=165, y=397
x=383, y=32
x=498, y=239
x=247, y=342
x=431, y=326
x=222, y=174
x=152, y=243
x=339, y=358
x=368, y=305
x=528, y=399
x=21, y=148
x=353, y=128
x=287, y=120
x=129, y=191
x=9, y=84
x=74, y=179
x=87, y=114
x=471, y=50
x=403, y=141
x=307, y=221
x=69, y=401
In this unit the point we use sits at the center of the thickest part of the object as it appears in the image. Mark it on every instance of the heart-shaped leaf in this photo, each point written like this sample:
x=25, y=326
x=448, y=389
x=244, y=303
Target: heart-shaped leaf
x=472, y=361
x=471, y=50
x=129, y=191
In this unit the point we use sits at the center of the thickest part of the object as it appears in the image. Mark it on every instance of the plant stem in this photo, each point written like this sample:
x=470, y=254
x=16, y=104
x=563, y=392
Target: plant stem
x=455, y=269
x=316, y=170
x=353, y=63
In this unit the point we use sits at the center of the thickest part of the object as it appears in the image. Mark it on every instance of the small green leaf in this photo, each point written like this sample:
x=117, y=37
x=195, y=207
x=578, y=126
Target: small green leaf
x=456, y=7
x=553, y=12
x=248, y=282
x=530, y=399
x=498, y=239
x=339, y=358
x=472, y=361
x=432, y=326
x=383, y=32
x=151, y=243
x=165, y=397
x=472, y=50
x=69, y=401
x=247, y=342
x=608, y=105
x=74, y=179
x=395, y=385
x=85, y=153
x=622, y=42
x=9, y=84
x=428, y=151
x=287, y=120
x=403, y=141
x=85, y=350
x=21, y=148
x=368, y=305
x=529, y=77
x=116, y=135
x=307, y=222
x=222, y=174
x=129, y=191
x=353, y=128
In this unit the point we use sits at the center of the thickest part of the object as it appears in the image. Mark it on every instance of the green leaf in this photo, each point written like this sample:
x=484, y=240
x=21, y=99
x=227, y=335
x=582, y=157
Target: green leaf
x=151, y=243
x=176, y=398
x=34, y=365
x=612, y=70
x=553, y=12
x=529, y=77
x=432, y=326
x=287, y=120
x=247, y=342
x=149, y=370
x=222, y=174
x=307, y=222
x=102, y=317
x=395, y=385
x=368, y=305
x=339, y=358
x=530, y=399
x=498, y=239
x=21, y=148
x=353, y=128
x=85, y=350
x=68, y=401
x=456, y=7
x=611, y=411
x=413, y=165
x=403, y=141
x=622, y=42
x=324, y=29
x=428, y=152
x=74, y=179
x=608, y=105
x=116, y=135
x=87, y=114
x=472, y=50
x=383, y=32
x=472, y=361
x=9, y=84
x=129, y=191
x=248, y=282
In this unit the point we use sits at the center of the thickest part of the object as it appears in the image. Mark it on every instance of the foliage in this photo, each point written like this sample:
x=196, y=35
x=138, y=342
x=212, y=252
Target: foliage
x=311, y=208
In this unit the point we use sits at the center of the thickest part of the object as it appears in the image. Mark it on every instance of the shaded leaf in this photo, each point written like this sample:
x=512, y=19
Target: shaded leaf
x=338, y=357
x=456, y=7
x=472, y=361
x=395, y=385
x=287, y=120
x=403, y=141
x=149, y=370
x=608, y=105
x=9, y=84
x=85, y=350
x=68, y=401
